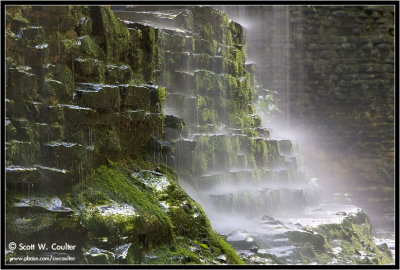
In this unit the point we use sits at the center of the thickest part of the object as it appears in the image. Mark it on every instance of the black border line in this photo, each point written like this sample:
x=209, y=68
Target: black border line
x=213, y=3
x=3, y=137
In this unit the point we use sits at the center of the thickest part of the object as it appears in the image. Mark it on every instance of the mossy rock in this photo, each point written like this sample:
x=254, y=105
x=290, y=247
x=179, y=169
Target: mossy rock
x=11, y=131
x=31, y=35
x=62, y=73
x=56, y=90
x=49, y=132
x=110, y=33
x=87, y=69
x=79, y=116
x=15, y=19
x=98, y=96
x=17, y=174
x=285, y=147
x=316, y=240
x=205, y=46
x=118, y=74
x=36, y=56
x=135, y=97
x=61, y=154
x=25, y=130
x=21, y=152
x=21, y=84
x=90, y=48
x=84, y=27
x=153, y=212
x=174, y=42
x=51, y=114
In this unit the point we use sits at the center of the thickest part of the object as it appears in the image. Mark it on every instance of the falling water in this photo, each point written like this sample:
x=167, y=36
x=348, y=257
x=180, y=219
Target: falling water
x=284, y=36
x=251, y=181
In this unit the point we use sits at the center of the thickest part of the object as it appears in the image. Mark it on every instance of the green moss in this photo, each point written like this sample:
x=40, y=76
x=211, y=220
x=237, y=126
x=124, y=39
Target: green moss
x=116, y=34
x=118, y=74
x=204, y=156
x=57, y=90
x=172, y=233
x=85, y=24
x=162, y=94
x=207, y=31
x=238, y=35
x=118, y=186
x=353, y=236
x=107, y=143
x=90, y=48
x=136, y=56
x=151, y=53
x=316, y=240
x=173, y=42
x=87, y=69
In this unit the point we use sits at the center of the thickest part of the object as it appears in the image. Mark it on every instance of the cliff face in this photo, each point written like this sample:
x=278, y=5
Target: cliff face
x=83, y=111
x=101, y=111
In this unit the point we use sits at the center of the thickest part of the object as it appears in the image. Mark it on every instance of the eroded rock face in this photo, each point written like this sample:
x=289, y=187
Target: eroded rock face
x=81, y=94
x=87, y=138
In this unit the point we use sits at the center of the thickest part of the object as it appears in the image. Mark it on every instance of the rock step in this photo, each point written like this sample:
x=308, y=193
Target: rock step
x=21, y=152
x=183, y=82
x=145, y=96
x=28, y=35
x=93, y=131
x=173, y=127
x=181, y=105
x=265, y=200
x=36, y=179
x=201, y=80
x=62, y=154
x=21, y=83
x=264, y=150
x=228, y=150
x=20, y=174
x=161, y=19
x=35, y=218
x=181, y=39
x=173, y=41
x=193, y=61
x=39, y=51
x=92, y=70
x=39, y=204
x=88, y=96
x=248, y=178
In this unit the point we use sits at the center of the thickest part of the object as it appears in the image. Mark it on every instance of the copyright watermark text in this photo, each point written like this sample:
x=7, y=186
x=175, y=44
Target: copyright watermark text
x=50, y=258
x=41, y=246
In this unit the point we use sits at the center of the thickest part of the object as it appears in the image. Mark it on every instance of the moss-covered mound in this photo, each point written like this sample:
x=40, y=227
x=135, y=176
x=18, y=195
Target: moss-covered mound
x=141, y=205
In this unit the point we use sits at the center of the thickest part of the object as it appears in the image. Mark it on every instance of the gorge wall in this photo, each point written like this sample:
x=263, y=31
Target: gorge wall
x=83, y=163
x=110, y=113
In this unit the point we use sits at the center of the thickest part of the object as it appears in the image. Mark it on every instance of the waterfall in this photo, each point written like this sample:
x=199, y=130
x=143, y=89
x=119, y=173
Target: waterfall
x=175, y=134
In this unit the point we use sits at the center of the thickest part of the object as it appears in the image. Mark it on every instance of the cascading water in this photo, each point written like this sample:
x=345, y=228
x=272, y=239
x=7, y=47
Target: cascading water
x=289, y=30
x=92, y=164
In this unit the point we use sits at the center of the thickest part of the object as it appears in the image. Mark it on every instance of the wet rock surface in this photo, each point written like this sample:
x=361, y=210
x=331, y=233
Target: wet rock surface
x=235, y=170
x=108, y=109
x=82, y=93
